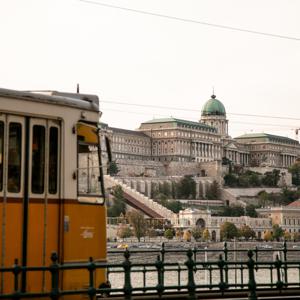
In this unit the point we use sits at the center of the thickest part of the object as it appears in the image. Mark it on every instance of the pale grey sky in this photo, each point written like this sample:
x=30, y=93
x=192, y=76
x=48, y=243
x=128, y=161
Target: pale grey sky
x=134, y=58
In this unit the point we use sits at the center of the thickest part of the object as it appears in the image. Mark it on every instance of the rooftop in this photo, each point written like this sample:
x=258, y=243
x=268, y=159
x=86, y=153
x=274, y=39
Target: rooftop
x=76, y=100
x=295, y=204
x=187, y=123
x=269, y=137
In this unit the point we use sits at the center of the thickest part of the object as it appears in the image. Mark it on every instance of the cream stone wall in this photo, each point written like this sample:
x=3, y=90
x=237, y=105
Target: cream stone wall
x=190, y=218
x=287, y=217
x=145, y=185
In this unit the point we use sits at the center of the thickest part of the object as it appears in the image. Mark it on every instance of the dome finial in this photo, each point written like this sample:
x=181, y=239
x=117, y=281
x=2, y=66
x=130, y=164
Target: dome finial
x=213, y=93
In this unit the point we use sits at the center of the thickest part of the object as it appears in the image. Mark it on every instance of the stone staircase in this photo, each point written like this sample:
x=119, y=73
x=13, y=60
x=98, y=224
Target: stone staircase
x=140, y=201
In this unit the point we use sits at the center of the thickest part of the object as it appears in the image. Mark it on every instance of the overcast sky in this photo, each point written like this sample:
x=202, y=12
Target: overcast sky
x=133, y=58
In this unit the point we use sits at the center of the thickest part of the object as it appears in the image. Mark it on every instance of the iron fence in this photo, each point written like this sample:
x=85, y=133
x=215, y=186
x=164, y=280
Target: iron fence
x=187, y=275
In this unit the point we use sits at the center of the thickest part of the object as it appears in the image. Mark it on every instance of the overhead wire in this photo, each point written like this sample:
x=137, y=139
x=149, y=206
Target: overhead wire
x=196, y=110
x=283, y=126
x=186, y=20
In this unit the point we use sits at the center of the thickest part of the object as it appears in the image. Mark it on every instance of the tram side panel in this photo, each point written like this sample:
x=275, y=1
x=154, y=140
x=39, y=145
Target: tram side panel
x=43, y=240
x=43, y=203
x=11, y=239
x=84, y=237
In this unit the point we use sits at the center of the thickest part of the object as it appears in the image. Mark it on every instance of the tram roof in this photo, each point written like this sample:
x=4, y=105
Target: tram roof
x=76, y=100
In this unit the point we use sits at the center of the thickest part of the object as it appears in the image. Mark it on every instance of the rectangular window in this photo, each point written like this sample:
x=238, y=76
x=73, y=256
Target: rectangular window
x=53, y=160
x=88, y=170
x=38, y=159
x=1, y=153
x=89, y=177
x=14, y=158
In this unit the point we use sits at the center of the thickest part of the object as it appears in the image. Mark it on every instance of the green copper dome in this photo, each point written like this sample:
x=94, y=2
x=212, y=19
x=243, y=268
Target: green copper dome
x=213, y=107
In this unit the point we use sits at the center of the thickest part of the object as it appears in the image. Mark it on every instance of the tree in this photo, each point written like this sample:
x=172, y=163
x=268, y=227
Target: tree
x=165, y=189
x=230, y=180
x=162, y=199
x=268, y=236
x=289, y=196
x=174, y=205
x=174, y=190
x=118, y=207
x=250, y=211
x=277, y=232
x=138, y=222
x=169, y=234
x=113, y=168
x=295, y=171
x=228, y=231
x=287, y=236
x=197, y=233
x=186, y=187
x=187, y=235
x=232, y=211
x=271, y=178
x=254, y=179
x=178, y=234
x=296, y=236
x=124, y=231
x=263, y=198
x=246, y=232
x=206, y=234
x=243, y=181
x=213, y=191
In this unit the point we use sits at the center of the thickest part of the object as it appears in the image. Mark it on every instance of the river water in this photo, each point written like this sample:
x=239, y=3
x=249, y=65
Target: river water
x=203, y=276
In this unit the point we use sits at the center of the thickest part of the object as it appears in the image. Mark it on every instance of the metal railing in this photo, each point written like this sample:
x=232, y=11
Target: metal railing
x=187, y=276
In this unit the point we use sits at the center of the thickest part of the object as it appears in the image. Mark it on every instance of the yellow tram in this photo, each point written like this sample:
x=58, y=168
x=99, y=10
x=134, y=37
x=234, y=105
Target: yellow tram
x=51, y=186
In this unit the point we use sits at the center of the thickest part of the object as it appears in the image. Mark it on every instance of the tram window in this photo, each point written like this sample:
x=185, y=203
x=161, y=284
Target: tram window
x=14, y=157
x=89, y=177
x=88, y=170
x=38, y=159
x=1, y=153
x=53, y=160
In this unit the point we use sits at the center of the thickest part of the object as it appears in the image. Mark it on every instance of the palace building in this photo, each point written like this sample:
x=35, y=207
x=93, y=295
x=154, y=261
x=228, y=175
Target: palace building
x=190, y=218
x=170, y=140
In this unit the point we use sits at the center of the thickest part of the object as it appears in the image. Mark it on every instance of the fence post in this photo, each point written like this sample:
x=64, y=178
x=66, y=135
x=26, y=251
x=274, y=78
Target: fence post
x=54, y=270
x=91, y=268
x=256, y=256
x=163, y=251
x=221, y=265
x=278, y=264
x=191, y=282
x=285, y=263
x=160, y=276
x=127, y=277
x=225, y=250
x=251, y=283
x=16, y=272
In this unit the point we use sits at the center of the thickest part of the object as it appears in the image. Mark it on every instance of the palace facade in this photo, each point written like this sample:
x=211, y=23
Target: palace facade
x=287, y=217
x=175, y=140
x=190, y=218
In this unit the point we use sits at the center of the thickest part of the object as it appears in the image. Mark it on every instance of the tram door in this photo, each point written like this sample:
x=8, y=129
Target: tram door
x=29, y=190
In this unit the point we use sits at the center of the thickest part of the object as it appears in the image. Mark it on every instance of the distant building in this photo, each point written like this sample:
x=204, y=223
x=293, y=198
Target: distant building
x=270, y=150
x=168, y=140
x=190, y=218
x=287, y=217
x=180, y=140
